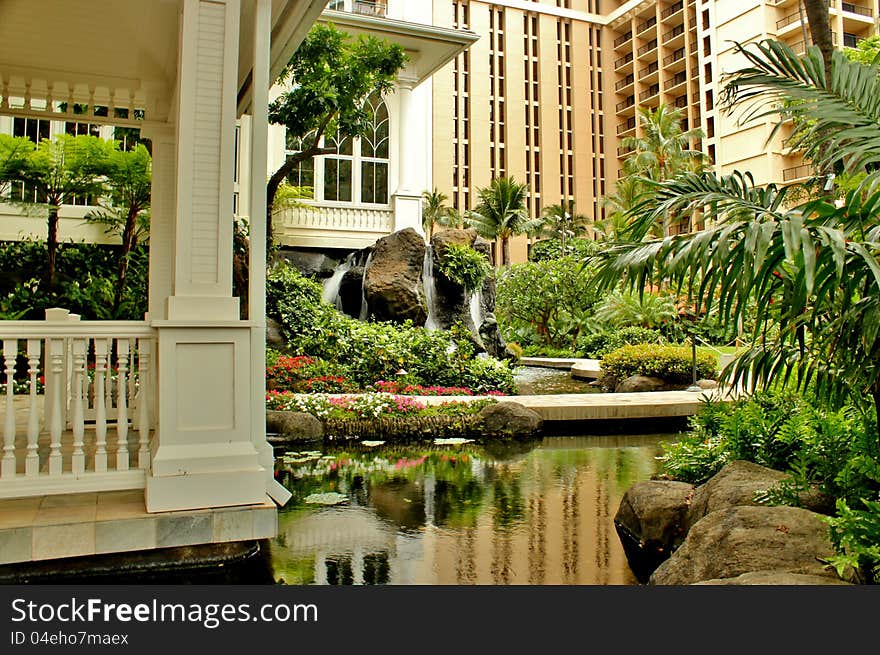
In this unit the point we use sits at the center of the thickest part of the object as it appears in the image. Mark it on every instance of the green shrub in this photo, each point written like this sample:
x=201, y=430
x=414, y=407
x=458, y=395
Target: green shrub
x=855, y=534
x=464, y=265
x=307, y=374
x=377, y=351
x=598, y=344
x=547, y=249
x=650, y=310
x=674, y=364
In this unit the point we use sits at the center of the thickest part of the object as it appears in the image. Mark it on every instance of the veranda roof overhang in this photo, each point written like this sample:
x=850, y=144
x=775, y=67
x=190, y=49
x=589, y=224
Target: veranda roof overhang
x=118, y=54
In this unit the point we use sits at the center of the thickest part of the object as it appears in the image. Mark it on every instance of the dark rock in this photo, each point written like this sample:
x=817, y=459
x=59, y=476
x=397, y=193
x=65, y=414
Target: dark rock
x=650, y=522
x=452, y=301
x=635, y=383
x=311, y=263
x=492, y=340
x=735, y=484
x=774, y=578
x=729, y=542
x=507, y=419
x=274, y=339
x=293, y=427
x=351, y=291
x=707, y=384
x=393, y=280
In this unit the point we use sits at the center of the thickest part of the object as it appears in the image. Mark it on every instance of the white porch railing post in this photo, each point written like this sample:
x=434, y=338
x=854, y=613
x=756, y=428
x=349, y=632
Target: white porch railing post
x=10, y=351
x=101, y=347
x=32, y=459
x=78, y=458
x=56, y=357
x=122, y=463
x=143, y=403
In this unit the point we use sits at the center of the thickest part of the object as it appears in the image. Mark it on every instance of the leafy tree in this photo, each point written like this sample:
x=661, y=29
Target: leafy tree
x=628, y=192
x=810, y=269
x=13, y=157
x=435, y=211
x=329, y=77
x=563, y=222
x=663, y=151
x=501, y=213
x=61, y=169
x=867, y=51
x=129, y=180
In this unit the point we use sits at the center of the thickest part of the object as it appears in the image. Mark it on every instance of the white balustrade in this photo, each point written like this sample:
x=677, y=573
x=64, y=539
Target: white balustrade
x=68, y=383
x=348, y=219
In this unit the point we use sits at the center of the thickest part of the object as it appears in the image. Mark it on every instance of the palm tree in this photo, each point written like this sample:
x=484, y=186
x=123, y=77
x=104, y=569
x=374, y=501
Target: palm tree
x=501, y=213
x=561, y=221
x=628, y=192
x=663, y=151
x=808, y=271
x=435, y=211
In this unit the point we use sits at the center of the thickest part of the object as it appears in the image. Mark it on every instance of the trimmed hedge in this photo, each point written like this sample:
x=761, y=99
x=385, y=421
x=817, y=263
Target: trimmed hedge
x=672, y=364
x=598, y=344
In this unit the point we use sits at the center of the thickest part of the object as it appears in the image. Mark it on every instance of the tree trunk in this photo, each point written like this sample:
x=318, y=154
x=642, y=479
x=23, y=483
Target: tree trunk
x=804, y=34
x=875, y=393
x=128, y=239
x=820, y=31
x=52, y=245
x=505, y=251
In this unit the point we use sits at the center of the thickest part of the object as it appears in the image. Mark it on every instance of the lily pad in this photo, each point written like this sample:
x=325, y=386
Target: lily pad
x=372, y=444
x=455, y=441
x=327, y=498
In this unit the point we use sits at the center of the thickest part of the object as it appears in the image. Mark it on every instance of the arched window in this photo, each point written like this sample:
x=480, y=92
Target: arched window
x=374, y=155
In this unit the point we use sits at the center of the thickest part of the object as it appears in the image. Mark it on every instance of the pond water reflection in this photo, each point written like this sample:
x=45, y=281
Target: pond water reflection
x=536, y=513
x=535, y=380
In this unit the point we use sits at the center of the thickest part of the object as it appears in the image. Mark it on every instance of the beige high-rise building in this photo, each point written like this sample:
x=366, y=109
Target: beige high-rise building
x=553, y=86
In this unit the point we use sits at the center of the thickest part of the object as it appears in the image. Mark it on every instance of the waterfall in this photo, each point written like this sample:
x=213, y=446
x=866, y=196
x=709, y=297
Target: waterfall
x=364, y=310
x=330, y=293
x=476, y=308
x=428, y=282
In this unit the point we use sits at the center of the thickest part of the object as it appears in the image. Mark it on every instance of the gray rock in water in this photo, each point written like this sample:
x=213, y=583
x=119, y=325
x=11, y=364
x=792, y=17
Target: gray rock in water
x=729, y=542
x=293, y=427
x=507, y=419
x=650, y=522
x=635, y=383
x=311, y=263
x=393, y=280
x=492, y=340
x=451, y=299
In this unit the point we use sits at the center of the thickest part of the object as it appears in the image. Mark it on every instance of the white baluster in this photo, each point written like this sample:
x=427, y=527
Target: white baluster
x=143, y=403
x=101, y=347
x=7, y=468
x=32, y=460
x=56, y=357
x=78, y=459
x=122, y=406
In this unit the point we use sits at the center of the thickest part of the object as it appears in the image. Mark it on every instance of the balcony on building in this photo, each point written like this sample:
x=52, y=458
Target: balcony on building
x=681, y=102
x=649, y=73
x=672, y=11
x=365, y=7
x=649, y=93
x=797, y=173
x=629, y=125
x=674, y=37
x=623, y=151
x=646, y=25
x=648, y=47
x=677, y=80
x=625, y=105
x=674, y=62
x=799, y=47
x=623, y=61
x=624, y=86
x=623, y=39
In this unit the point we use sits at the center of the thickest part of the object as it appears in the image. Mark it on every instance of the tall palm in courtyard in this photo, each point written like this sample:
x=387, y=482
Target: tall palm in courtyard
x=663, y=150
x=561, y=221
x=501, y=213
x=808, y=271
x=435, y=211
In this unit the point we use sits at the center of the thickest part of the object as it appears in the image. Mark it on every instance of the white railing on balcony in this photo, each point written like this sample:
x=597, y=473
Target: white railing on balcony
x=78, y=405
x=348, y=219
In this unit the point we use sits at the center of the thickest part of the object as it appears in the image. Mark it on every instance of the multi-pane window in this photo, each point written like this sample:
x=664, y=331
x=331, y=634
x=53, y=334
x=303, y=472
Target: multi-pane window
x=303, y=174
x=374, y=155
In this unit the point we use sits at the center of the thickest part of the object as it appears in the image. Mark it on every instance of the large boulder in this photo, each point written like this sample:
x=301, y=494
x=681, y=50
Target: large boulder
x=510, y=420
x=311, y=263
x=636, y=383
x=650, y=522
x=293, y=427
x=775, y=579
x=729, y=542
x=492, y=340
x=452, y=300
x=393, y=280
x=351, y=291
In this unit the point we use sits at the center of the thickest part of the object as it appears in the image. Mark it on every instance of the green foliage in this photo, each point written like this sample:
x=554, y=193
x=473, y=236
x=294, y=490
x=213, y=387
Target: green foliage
x=87, y=281
x=631, y=309
x=464, y=265
x=545, y=303
x=552, y=249
x=856, y=537
x=501, y=213
x=435, y=212
x=674, y=364
x=562, y=222
x=831, y=449
x=598, y=344
x=14, y=153
x=377, y=351
x=867, y=51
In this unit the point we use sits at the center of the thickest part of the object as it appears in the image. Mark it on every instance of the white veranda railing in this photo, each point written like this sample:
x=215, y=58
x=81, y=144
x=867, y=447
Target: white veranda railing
x=78, y=404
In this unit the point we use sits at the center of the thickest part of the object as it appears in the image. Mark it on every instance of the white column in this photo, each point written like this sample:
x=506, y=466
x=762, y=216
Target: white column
x=203, y=452
x=407, y=199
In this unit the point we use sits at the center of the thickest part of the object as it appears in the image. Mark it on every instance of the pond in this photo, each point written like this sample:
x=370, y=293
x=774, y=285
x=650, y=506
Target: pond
x=521, y=513
x=535, y=380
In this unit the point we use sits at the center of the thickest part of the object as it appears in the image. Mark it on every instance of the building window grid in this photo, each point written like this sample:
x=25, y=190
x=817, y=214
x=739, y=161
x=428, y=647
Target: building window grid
x=461, y=112
x=532, y=113
x=497, y=117
x=566, y=159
